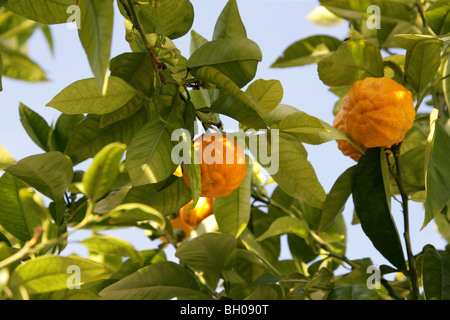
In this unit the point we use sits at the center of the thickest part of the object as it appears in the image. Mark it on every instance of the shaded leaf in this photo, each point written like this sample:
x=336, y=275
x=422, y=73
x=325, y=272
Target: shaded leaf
x=352, y=292
x=435, y=274
x=236, y=58
x=96, y=34
x=336, y=199
x=159, y=281
x=50, y=173
x=36, y=126
x=422, y=62
x=354, y=60
x=437, y=176
x=13, y=215
x=307, y=51
x=286, y=225
x=88, y=138
x=211, y=253
x=372, y=208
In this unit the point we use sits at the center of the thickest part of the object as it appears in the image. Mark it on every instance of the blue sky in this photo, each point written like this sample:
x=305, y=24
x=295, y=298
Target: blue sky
x=273, y=25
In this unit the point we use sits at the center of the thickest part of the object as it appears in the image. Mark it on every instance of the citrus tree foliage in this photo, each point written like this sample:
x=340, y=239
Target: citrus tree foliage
x=123, y=119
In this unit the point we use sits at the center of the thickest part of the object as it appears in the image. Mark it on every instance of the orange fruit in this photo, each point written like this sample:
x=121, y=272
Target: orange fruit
x=377, y=112
x=192, y=218
x=346, y=147
x=222, y=164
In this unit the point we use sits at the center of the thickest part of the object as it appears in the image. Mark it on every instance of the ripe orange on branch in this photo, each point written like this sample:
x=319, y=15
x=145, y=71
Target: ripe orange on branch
x=222, y=164
x=193, y=217
x=377, y=112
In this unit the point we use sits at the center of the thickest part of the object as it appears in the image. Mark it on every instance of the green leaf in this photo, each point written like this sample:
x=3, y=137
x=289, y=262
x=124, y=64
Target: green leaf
x=352, y=292
x=96, y=34
x=88, y=138
x=268, y=93
x=438, y=17
x=216, y=77
x=186, y=25
x=372, y=208
x=193, y=172
x=196, y=41
x=166, y=17
x=149, y=154
x=212, y=253
x=232, y=107
x=336, y=199
x=229, y=25
x=300, y=122
x=50, y=173
x=435, y=274
x=422, y=62
x=5, y=158
x=232, y=212
x=85, y=96
x=285, y=225
x=1, y=72
x=159, y=281
x=297, y=124
x=108, y=245
x=236, y=58
x=131, y=213
x=103, y=171
x=437, y=176
x=253, y=246
x=44, y=11
x=136, y=68
x=295, y=175
x=36, y=126
x=166, y=197
x=390, y=11
x=17, y=65
x=307, y=51
x=14, y=217
x=354, y=60
x=51, y=273
x=446, y=83
x=64, y=127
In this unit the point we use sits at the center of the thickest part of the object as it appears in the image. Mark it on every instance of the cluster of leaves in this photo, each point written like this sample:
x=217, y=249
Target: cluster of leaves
x=123, y=121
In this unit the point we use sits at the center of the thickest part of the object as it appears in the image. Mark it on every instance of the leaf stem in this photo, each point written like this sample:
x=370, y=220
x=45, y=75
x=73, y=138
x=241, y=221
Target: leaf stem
x=406, y=234
x=30, y=246
x=24, y=251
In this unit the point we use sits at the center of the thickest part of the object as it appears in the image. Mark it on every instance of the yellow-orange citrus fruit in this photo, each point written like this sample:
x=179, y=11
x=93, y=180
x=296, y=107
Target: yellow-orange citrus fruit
x=178, y=172
x=222, y=164
x=192, y=217
x=346, y=147
x=378, y=112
